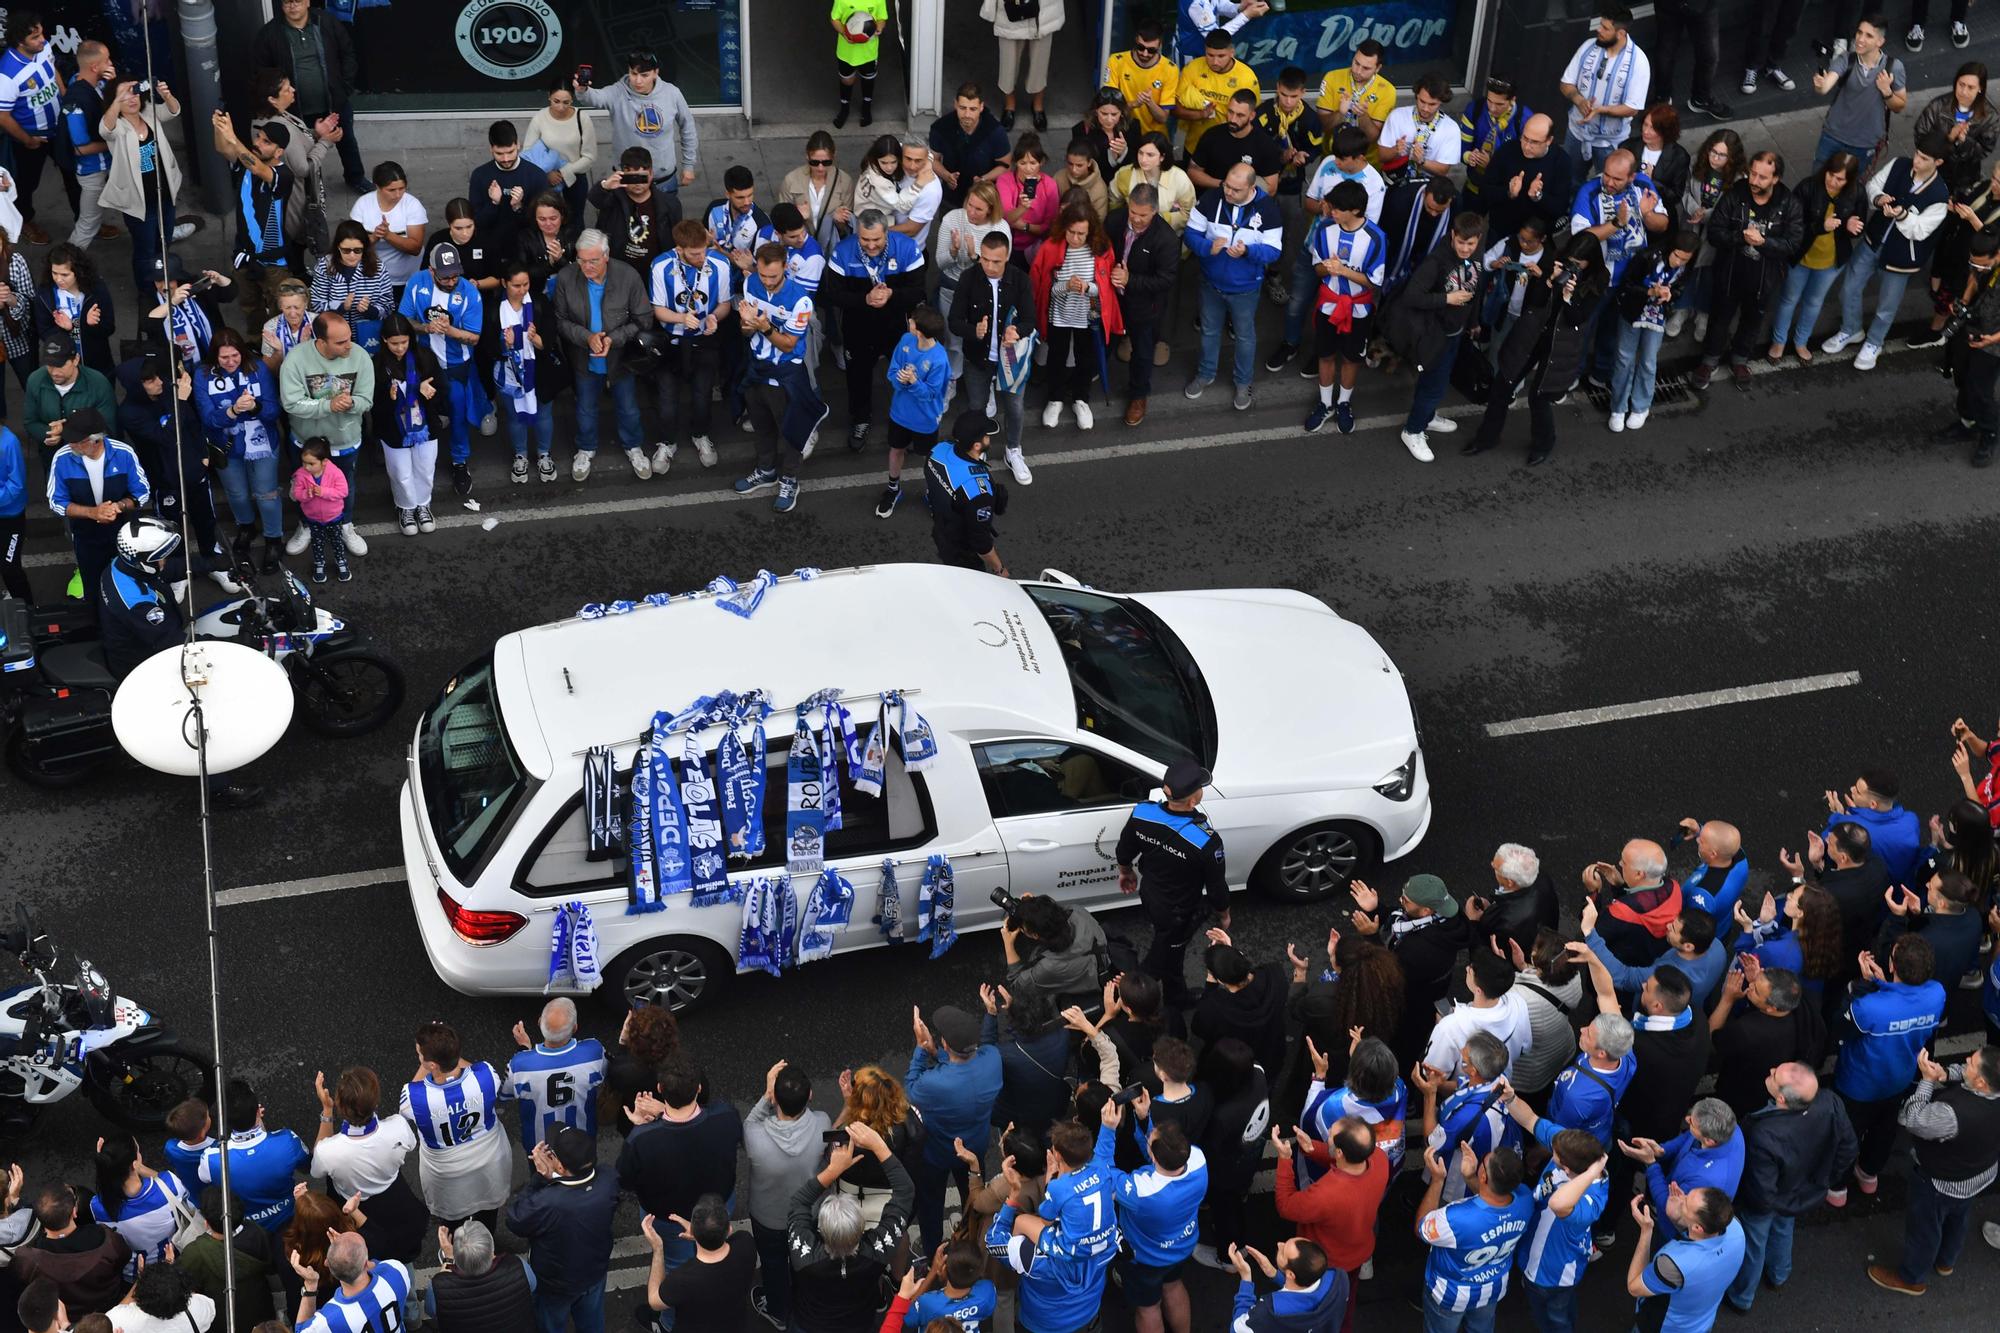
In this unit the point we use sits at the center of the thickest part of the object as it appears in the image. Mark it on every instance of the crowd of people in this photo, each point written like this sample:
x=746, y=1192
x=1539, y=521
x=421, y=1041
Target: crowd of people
x=1692, y=1067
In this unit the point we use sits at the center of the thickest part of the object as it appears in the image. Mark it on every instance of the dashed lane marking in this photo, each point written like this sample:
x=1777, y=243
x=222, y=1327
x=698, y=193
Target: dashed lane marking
x=1674, y=703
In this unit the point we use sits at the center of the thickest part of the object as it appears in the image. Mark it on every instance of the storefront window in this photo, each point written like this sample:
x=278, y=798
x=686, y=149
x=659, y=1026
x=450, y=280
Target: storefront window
x=1320, y=35
x=503, y=54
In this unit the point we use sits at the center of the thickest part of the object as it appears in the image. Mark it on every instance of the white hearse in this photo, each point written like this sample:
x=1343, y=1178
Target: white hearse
x=1056, y=708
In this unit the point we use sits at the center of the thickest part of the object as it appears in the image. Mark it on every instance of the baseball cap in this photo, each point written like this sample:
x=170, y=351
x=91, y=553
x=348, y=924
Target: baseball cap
x=81, y=424
x=971, y=427
x=58, y=349
x=445, y=262
x=955, y=1028
x=1429, y=891
x=576, y=1150
x=152, y=366
x=1184, y=778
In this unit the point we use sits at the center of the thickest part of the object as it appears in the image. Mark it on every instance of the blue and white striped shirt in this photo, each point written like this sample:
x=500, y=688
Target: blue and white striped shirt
x=690, y=289
x=1558, y=1248
x=1471, y=1243
x=789, y=308
x=557, y=1087
x=460, y=1111
x=146, y=1221
x=379, y=1308
x=805, y=265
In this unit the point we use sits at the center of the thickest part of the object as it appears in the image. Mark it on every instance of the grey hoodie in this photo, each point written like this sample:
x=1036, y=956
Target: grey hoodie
x=783, y=1154
x=659, y=122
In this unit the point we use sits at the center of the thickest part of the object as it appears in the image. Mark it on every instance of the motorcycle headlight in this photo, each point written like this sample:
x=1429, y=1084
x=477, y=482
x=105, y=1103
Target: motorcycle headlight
x=1401, y=781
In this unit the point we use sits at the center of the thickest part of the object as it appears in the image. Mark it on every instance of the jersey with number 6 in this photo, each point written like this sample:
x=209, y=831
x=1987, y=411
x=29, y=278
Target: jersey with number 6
x=555, y=1087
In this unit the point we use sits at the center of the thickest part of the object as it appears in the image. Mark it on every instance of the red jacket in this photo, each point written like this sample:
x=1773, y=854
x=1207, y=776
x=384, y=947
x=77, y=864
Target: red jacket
x=1337, y=1211
x=1042, y=277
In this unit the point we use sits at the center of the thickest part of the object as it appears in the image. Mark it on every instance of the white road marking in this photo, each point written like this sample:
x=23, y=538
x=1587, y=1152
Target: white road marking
x=300, y=888
x=1677, y=703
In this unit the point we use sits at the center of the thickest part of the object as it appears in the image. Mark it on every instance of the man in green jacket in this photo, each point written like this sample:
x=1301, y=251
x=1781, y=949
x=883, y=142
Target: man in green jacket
x=61, y=386
x=326, y=386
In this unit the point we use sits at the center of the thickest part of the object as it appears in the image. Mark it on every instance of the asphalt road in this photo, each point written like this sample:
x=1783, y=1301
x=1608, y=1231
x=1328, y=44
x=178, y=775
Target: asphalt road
x=1805, y=527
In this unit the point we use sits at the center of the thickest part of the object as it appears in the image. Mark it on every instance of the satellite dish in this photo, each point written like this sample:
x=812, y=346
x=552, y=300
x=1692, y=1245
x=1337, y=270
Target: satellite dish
x=246, y=703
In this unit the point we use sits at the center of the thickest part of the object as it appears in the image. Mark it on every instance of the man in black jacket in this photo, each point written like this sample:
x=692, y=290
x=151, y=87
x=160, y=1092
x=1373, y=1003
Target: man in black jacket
x=1954, y=1116
x=1428, y=322
x=1544, y=190
x=1757, y=232
x=994, y=308
x=178, y=469
x=1760, y=1023
x=837, y=1260
x=313, y=49
x=1793, y=1149
x=1846, y=865
x=638, y=217
x=565, y=1212
x=1425, y=932
x=1521, y=904
x=1149, y=256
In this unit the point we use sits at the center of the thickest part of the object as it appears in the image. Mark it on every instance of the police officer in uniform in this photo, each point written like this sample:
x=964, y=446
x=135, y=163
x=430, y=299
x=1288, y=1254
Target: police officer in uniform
x=1183, y=880
x=964, y=498
x=140, y=616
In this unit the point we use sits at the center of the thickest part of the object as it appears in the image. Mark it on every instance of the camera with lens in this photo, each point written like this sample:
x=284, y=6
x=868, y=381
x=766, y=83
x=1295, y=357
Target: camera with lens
x=1955, y=322
x=1007, y=903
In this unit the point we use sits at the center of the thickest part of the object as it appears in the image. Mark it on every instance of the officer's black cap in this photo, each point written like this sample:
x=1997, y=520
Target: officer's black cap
x=971, y=428
x=1185, y=778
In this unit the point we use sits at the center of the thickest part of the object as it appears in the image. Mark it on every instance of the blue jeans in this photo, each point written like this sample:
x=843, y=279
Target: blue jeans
x=146, y=238
x=1805, y=292
x=1433, y=382
x=1437, y=1319
x=1554, y=1308
x=1862, y=265
x=542, y=426
x=459, y=384
x=1933, y=1230
x=590, y=388
x=556, y=1312
x=1767, y=1252
x=1241, y=309
x=775, y=1268
x=1585, y=160
x=1305, y=288
x=1638, y=361
x=1828, y=146
x=252, y=491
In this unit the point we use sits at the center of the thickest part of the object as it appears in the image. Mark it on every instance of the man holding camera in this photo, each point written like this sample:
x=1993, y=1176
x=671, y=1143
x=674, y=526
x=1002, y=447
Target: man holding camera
x=1974, y=355
x=1184, y=880
x=1060, y=959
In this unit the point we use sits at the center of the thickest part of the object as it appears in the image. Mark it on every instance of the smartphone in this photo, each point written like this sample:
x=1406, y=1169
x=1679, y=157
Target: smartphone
x=641, y=1002
x=1445, y=1006
x=201, y=284
x=634, y=177
x=1128, y=1094
x=833, y=1136
x=584, y=74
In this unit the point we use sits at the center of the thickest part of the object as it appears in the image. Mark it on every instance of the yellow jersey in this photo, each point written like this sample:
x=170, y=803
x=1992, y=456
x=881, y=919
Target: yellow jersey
x=1162, y=83
x=1378, y=99
x=1202, y=88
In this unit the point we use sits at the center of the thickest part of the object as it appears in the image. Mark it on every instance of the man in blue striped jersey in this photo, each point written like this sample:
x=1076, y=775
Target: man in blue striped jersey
x=1571, y=1195
x=462, y=1156
x=692, y=303
x=554, y=1081
x=371, y=1296
x=1471, y=1241
x=1472, y=1112
x=805, y=264
x=776, y=312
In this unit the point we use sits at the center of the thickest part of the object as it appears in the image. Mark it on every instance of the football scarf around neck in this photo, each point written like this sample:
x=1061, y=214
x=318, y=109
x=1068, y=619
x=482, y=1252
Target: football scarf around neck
x=517, y=367
x=600, y=803
x=805, y=784
x=573, y=951
x=868, y=773
x=740, y=769
x=889, y=913
x=935, y=909
x=829, y=907
x=920, y=748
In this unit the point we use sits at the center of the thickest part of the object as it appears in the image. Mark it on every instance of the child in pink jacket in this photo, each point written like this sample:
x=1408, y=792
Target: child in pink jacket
x=321, y=490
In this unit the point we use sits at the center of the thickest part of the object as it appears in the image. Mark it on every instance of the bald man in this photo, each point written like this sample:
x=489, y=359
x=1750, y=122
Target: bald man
x=1717, y=882
x=1793, y=1151
x=369, y=1294
x=1636, y=901
x=1527, y=180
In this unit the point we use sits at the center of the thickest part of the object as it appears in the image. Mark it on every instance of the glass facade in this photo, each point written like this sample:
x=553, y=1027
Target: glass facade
x=418, y=55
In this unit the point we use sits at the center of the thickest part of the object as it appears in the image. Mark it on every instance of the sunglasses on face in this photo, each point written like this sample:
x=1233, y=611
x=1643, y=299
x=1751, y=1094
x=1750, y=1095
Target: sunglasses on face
x=819, y=161
x=1146, y=50
x=350, y=249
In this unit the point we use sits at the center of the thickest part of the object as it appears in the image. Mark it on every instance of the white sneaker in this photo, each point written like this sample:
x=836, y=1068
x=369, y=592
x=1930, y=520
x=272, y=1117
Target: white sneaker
x=1052, y=413
x=1865, y=358
x=579, y=467
x=1701, y=326
x=663, y=458
x=1016, y=461
x=1990, y=1233
x=1634, y=420
x=705, y=447
x=1084, y=421
x=183, y=230
x=1442, y=425
x=1836, y=341
x=640, y=467
x=352, y=538
x=300, y=539
x=1617, y=422
x=489, y=424
x=1676, y=322
x=232, y=587
x=1419, y=447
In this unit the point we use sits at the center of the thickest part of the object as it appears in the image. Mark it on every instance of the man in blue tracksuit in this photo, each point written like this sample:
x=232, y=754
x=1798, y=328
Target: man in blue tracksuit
x=1310, y=1298
x=1890, y=1017
x=93, y=483
x=953, y=1082
x=448, y=314
x=1184, y=879
x=1871, y=803
x=1061, y=1290
x=1235, y=232
x=1157, y=1205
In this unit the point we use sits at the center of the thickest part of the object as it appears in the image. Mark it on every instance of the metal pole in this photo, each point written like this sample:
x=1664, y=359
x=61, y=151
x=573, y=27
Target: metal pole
x=215, y=1022
x=1104, y=39
x=204, y=97
x=1482, y=55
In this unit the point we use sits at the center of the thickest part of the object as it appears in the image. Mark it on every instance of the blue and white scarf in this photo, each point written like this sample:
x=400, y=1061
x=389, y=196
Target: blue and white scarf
x=805, y=786
x=770, y=925
x=920, y=747
x=935, y=909
x=1645, y=1022
x=829, y=907
x=743, y=601
x=516, y=372
x=416, y=427
x=573, y=951
x=189, y=330
x=708, y=865
x=600, y=803
x=740, y=769
x=889, y=915
x=868, y=773
x=658, y=824
x=1604, y=129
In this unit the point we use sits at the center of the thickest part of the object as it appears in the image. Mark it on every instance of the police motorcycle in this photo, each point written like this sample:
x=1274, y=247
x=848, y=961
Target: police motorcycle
x=59, y=1037
x=56, y=686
